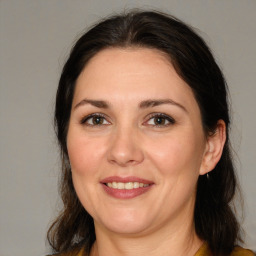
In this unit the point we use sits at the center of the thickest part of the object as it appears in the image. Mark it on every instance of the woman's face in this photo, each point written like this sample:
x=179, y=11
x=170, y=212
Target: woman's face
x=135, y=142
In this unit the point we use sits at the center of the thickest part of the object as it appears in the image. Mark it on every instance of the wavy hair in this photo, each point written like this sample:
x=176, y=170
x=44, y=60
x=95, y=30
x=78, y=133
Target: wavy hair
x=214, y=218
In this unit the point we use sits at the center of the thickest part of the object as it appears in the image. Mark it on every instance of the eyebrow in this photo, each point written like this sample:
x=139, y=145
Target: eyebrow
x=144, y=104
x=156, y=102
x=96, y=103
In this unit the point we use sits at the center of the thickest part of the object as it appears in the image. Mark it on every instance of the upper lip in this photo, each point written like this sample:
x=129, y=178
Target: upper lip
x=126, y=179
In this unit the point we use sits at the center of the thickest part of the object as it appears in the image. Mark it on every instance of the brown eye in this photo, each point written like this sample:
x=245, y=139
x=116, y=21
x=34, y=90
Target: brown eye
x=160, y=120
x=94, y=120
x=97, y=120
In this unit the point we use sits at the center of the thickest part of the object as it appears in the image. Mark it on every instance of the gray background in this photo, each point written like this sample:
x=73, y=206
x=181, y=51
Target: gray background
x=36, y=36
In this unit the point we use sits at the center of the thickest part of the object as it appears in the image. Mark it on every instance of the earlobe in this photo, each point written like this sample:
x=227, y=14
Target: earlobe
x=214, y=147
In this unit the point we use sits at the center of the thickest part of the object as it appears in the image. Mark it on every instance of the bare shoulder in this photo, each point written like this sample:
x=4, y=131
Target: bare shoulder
x=239, y=251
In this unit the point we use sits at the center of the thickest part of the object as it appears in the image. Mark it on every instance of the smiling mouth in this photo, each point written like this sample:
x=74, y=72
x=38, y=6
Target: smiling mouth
x=126, y=185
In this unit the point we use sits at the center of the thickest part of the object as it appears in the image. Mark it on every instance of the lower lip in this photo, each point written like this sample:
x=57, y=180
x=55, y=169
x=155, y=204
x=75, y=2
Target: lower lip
x=125, y=193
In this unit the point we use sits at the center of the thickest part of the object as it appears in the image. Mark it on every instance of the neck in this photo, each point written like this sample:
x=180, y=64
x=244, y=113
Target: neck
x=177, y=240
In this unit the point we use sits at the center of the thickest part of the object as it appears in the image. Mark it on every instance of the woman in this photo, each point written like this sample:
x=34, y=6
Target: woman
x=143, y=126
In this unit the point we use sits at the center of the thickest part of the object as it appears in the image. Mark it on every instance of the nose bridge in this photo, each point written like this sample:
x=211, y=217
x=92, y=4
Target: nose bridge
x=125, y=148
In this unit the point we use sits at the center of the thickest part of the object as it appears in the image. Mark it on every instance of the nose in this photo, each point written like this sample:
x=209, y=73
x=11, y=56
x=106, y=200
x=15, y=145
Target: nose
x=125, y=148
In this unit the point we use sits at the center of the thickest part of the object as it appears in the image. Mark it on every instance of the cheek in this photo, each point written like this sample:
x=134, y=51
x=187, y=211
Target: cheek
x=83, y=154
x=175, y=155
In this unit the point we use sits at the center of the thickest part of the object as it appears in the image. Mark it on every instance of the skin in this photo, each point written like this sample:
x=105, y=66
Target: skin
x=128, y=142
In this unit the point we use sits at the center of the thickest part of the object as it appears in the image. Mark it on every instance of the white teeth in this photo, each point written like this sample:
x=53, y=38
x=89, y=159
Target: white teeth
x=127, y=185
x=120, y=185
x=136, y=185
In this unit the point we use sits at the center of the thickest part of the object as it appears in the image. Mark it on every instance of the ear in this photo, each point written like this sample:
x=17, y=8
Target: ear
x=214, y=147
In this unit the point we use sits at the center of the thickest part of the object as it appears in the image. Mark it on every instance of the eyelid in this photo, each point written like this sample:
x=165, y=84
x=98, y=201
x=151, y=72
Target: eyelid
x=163, y=115
x=87, y=117
x=170, y=119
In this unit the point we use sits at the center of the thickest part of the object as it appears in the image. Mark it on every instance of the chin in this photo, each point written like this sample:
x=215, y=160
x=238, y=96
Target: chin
x=125, y=223
x=126, y=228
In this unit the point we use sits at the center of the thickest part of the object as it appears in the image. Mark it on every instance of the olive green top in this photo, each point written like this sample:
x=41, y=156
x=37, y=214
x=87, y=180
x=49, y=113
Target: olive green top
x=203, y=251
x=238, y=251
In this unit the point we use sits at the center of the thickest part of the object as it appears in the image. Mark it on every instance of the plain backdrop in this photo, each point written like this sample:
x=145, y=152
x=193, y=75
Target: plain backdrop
x=36, y=36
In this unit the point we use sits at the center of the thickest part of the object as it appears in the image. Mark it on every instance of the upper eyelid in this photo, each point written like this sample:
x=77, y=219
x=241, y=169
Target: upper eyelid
x=85, y=118
x=152, y=115
x=169, y=119
x=148, y=117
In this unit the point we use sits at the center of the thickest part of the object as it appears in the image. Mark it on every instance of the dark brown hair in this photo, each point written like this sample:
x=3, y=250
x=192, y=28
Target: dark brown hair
x=214, y=219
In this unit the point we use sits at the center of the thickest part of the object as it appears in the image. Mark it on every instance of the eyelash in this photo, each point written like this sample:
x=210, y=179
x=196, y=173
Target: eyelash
x=161, y=115
x=165, y=117
x=84, y=120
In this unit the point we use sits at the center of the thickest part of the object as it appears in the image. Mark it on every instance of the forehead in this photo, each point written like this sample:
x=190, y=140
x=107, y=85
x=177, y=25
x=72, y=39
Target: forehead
x=120, y=73
x=126, y=60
